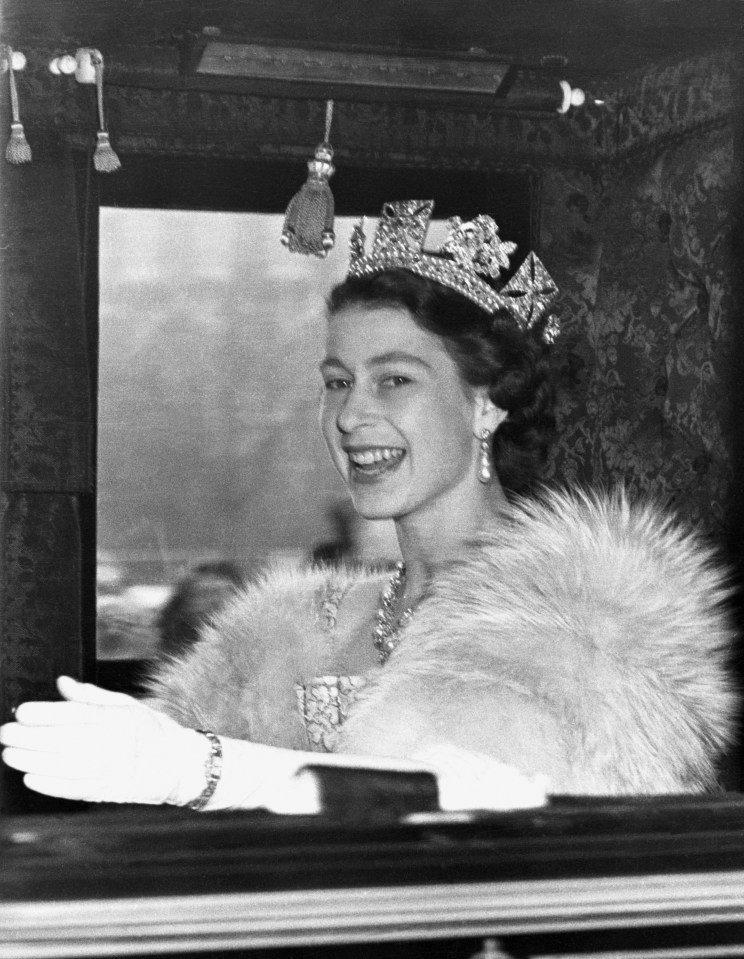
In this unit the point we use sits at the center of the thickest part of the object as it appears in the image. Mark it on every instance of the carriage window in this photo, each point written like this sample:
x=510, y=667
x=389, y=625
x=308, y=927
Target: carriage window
x=210, y=462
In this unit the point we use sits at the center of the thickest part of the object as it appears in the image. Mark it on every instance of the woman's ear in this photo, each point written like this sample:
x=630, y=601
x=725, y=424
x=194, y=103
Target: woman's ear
x=486, y=415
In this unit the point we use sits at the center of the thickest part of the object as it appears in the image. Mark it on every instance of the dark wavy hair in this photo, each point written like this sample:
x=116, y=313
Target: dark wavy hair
x=489, y=351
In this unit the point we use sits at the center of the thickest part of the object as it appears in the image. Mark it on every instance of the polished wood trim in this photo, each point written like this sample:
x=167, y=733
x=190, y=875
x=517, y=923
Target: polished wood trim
x=139, y=926
x=676, y=952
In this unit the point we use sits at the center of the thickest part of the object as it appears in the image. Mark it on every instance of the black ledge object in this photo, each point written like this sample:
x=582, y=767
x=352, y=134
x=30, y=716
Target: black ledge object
x=351, y=794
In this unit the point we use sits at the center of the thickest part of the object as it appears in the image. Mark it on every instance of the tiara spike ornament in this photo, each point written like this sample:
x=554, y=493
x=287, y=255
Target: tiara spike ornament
x=472, y=250
x=477, y=245
x=531, y=291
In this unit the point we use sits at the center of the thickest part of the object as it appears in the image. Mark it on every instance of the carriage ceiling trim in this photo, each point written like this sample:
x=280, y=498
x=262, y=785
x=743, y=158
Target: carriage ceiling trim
x=234, y=57
x=602, y=37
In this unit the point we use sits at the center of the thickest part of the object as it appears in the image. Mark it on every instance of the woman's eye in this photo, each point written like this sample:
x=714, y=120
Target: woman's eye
x=396, y=380
x=336, y=383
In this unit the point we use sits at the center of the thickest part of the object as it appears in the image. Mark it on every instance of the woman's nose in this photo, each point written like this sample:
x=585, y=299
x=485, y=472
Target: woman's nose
x=357, y=409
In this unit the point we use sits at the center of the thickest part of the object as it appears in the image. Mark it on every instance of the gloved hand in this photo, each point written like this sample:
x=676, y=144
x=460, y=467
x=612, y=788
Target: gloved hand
x=101, y=746
x=472, y=780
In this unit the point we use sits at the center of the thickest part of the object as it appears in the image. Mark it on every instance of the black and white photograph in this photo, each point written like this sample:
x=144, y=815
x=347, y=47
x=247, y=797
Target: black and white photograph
x=372, y=479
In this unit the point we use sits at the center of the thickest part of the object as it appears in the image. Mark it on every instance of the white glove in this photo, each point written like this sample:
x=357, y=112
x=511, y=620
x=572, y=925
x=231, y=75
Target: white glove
x=101, y=746
x=471, y=780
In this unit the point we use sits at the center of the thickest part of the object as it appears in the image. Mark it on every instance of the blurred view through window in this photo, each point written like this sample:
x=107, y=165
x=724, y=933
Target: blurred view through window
x=209, y=454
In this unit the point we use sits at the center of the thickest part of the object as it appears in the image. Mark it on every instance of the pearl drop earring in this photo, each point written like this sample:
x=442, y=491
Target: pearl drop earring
x=484, y=458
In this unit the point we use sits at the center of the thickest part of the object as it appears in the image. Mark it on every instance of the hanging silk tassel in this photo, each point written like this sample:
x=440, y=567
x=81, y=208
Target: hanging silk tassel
x=105, y=159
x=308, y=222
x=17, y=150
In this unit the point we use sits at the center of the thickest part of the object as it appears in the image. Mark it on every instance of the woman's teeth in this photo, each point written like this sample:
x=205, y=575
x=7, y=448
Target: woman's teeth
x=383, y=455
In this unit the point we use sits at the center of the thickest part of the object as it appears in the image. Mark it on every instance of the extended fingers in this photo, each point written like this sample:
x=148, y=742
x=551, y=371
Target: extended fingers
x=62, y=788
x=48, y=738
x=87, y=790
x=83, y=704
x=48, y=764
x=53, y=750
x=59, y=714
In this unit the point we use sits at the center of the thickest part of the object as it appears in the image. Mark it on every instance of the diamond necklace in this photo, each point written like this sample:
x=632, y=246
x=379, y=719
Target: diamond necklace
x=387, y=628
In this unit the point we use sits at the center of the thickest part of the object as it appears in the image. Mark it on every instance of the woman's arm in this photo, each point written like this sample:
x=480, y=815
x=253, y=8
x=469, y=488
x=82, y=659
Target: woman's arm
x=100, y=746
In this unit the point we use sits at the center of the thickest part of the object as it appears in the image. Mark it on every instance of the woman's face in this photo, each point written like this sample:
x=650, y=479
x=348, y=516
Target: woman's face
x=397, y=418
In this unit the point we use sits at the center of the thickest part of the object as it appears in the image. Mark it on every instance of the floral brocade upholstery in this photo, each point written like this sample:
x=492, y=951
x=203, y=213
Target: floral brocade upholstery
x=643, y=259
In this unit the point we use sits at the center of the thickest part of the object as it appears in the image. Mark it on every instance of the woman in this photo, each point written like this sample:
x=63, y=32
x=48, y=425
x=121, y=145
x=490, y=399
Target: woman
x=569, y=643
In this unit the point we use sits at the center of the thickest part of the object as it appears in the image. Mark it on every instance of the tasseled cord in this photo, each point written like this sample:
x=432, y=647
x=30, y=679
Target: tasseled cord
x=308, y=222
x=17, y=150
x=105, y=159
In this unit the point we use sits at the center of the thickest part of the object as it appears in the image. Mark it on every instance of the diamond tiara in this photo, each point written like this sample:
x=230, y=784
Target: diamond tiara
x=471, y=250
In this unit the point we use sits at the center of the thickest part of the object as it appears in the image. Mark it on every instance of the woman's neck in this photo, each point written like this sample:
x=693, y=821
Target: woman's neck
x=431, y=539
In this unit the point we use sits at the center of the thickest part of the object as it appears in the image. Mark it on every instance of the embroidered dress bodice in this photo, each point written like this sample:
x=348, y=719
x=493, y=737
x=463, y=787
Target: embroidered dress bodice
x=324, y=704
x=324, y=701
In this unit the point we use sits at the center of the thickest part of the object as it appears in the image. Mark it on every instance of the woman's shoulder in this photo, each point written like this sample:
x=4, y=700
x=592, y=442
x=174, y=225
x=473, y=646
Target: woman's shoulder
x=288, y=587
x=595, y=527
x=597, y=620
x=599, y=552
x=281, y=629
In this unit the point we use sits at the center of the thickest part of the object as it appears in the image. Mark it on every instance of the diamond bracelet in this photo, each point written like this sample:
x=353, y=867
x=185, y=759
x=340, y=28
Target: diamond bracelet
x=212, y=770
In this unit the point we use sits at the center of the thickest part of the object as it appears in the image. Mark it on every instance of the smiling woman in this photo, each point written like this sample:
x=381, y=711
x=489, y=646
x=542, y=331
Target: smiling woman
x=408, y=402
x=568, y=643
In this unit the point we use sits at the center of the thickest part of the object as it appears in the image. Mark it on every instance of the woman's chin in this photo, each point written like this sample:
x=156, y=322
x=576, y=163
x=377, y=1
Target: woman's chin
x=370, y=512
x=372, y=507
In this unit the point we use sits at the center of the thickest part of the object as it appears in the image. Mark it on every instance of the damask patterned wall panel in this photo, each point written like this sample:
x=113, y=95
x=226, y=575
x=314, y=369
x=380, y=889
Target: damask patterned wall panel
x=46, y=439
x=643, y=257
x=40, y=600
x=571, y=245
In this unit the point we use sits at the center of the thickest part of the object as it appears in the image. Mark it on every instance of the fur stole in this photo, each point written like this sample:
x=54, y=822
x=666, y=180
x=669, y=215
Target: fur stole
x=238, y=680
x=582, y=638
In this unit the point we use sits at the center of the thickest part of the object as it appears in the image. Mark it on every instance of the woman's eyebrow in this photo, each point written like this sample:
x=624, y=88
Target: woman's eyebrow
x=330, y=362
x=398, y=356
x=393, y=356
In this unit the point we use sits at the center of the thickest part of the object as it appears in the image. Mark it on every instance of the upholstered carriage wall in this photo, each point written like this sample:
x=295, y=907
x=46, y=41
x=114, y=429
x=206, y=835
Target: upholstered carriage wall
x=644, y=256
